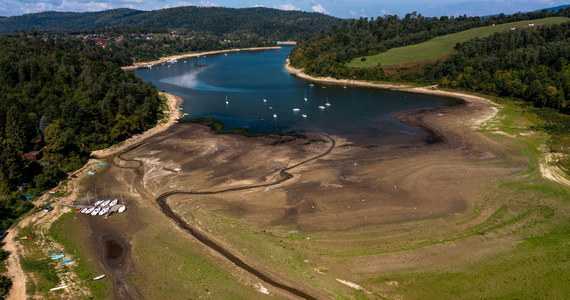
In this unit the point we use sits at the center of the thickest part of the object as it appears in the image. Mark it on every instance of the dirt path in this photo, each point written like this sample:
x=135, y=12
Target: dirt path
x=44, y=221
x=550, y=171
x=161, y=200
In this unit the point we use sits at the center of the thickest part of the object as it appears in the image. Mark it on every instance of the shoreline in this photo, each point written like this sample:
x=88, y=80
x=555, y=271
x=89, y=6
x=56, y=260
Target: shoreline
x=429, y=90
x=173, y=103
x=139, y=65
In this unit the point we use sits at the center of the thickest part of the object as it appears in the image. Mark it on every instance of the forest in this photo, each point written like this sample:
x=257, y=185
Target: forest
x=62, y=99
x=267, y=23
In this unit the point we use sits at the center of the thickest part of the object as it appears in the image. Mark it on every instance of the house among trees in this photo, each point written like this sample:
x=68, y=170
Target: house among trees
x=33, y=155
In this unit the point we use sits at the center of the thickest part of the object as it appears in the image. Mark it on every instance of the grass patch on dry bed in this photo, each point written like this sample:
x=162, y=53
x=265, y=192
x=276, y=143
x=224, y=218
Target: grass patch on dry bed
x=64, y=231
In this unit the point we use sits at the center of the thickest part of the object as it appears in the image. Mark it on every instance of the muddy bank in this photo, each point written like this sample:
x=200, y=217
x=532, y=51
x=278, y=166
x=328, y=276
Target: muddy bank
x=113, y=252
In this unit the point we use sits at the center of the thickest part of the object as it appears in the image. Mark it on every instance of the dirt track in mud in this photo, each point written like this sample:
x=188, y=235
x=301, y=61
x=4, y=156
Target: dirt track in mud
x=317, y=183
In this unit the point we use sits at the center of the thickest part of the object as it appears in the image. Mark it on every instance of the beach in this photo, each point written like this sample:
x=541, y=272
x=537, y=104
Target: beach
x=193, y=54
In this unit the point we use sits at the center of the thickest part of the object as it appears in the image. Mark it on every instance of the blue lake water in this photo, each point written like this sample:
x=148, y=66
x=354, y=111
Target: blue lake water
x=246, y=78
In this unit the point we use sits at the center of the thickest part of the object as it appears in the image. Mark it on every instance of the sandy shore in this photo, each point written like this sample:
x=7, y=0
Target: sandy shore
x=431, y=90
x=194, y=54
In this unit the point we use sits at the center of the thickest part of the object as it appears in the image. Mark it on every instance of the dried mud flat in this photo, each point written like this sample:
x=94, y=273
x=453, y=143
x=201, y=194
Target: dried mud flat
x=351, y=207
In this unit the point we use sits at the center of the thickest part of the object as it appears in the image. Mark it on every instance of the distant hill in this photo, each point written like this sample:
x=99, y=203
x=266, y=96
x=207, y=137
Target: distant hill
x=557, y=8
x=266, y=22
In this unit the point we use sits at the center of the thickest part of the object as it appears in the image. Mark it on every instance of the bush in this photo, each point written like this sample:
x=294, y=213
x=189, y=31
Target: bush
x=5, y=284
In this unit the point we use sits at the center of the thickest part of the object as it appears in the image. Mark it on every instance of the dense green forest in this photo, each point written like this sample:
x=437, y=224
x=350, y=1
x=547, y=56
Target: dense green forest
x=267, y=23
x=63, y=98
x=328, y=52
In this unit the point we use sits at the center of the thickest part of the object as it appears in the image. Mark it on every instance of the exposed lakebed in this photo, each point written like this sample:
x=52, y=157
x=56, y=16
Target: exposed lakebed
x=251, y=90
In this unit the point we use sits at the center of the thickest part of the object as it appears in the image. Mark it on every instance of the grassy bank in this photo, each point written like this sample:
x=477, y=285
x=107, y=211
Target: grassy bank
x=441, y=46
x=67, y=233
x=536, y=265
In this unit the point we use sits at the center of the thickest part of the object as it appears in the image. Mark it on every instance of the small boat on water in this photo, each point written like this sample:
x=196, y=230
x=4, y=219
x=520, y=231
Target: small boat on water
x=99, y=277
x=114, y=202
x=274, y=116
x=227, y=102
x=296, y=109
x=264, y=100
x=96, y=211
x=321, y=107
x=304, y=115
x=122, y=209
x=311, y=85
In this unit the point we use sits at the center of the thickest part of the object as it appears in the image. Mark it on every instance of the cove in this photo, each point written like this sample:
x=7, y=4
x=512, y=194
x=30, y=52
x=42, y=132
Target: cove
x=251, y=90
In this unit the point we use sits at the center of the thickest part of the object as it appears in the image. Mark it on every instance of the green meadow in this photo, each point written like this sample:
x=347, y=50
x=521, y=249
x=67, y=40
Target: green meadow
x=441, y=46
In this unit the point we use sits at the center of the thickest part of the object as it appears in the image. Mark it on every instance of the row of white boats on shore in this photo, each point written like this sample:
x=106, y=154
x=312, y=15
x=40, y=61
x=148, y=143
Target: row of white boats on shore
x=103, y=207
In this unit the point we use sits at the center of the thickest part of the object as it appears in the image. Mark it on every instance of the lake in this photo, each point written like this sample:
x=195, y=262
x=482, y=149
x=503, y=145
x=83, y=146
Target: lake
x=252, y=90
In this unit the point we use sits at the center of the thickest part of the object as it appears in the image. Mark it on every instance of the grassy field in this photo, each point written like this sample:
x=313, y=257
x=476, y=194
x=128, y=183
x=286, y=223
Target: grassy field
x=440, y=46
x=64, y=231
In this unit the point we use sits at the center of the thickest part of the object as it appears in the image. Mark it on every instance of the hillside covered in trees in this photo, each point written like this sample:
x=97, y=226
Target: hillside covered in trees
x=60, y=99
x=267, y=23
x=529, y=64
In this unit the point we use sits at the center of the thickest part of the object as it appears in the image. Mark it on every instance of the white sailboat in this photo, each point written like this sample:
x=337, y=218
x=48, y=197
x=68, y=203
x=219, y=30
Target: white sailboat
x=227, y=102
x=296, y=109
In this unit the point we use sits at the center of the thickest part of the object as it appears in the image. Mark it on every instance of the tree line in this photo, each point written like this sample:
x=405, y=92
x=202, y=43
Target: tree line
x=328, y=52
x=63, y=98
